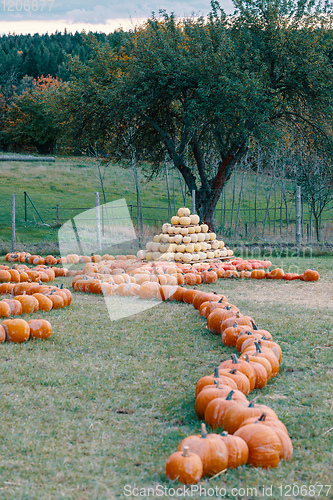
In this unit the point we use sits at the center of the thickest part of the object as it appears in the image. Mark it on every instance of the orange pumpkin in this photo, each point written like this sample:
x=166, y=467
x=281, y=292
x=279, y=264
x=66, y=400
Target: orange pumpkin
x=17, y=330
x=184, y=467
x=40, y=328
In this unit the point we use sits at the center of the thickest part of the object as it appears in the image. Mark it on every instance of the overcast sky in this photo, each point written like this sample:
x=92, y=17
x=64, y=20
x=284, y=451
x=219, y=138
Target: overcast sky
x=32, y=16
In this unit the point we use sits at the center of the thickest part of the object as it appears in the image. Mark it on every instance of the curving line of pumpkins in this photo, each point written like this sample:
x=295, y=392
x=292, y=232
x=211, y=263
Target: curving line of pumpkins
x=252, y=433
x=29, y=298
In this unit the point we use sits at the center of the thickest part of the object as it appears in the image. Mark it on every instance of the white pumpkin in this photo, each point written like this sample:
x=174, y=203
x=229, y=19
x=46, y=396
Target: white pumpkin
x=175, y=220
x=155, y=247
x=141, y=254
x=184, y=221
x=204, y=228
x=197, y=229
x=195, y=219
x=194, y=238
x=178, y=238
x=212, y=236
x=171, y=230
x=183, y=211
x=230, y=252
x=165, y=227
x=215, y=245
x=197, y=247
x=156, y=255
x=149, y=255
x=187, y=257
x=149, y=246
x=221, y=244
x=165, y=238
x=186, y=239
x=191, y=229
x=181, y=248
x=201, y=237
x=210, y=255
x=207, y=238
x=189, y=248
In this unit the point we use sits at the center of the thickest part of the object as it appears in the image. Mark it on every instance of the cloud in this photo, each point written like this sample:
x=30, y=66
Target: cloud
x=82, y=11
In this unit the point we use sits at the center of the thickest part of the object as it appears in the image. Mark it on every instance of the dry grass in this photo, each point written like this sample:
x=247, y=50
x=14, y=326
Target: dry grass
x=100, y=405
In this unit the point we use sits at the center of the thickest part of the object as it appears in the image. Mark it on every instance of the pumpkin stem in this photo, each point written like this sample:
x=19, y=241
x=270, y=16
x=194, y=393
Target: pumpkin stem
x=258, y=350
x=186, y=451
x=229, y=396
x=262, y=417
x=224, y=433
x=233, y=371
x=252, y=402
x=246, y=358
x=216, y=372
x=234, y=359
x=235, y=325
x=217, y=383
x=203, y=431
x=254, y=326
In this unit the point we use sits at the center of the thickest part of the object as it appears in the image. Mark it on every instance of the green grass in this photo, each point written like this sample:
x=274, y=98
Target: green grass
x=100, y=405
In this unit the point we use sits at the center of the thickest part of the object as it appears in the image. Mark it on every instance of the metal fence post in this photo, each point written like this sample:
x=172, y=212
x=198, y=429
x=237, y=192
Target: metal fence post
x=193, y=201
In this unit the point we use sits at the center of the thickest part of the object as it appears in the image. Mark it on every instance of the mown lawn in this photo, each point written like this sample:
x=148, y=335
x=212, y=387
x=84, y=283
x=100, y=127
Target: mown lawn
x=101, y=405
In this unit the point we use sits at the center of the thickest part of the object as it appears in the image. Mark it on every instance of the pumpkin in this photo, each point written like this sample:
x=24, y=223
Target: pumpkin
x=40, y=328
x=217, y=317
x=216, y=409
x=237, y=376
x=212, y=379
x=241, y=366
x=2, y=334
x=236, y=415
x=4, y=276
x=238, y=451
x=184, y=467
x=211, y=450
x=17, y=330
x=257, y=360
x=263, y=443
x=275, y=348
x=28, y=302
x=276, y=274
x=310, y=275
x=266, y=420
x=188, y=295
x=45, y=304
x=231, y=334
x=258, y=274
x=210, y=392
x=149, y=290
x=5, y=311
x=204, y=297
x=264, y=352
x=15, y=306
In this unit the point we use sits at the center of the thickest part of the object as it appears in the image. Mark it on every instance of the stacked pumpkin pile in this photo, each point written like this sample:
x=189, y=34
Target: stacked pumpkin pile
x=252, y=433
x=185, y=240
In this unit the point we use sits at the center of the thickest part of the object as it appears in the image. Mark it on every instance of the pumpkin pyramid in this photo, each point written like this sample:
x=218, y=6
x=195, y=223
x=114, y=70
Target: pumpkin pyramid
x=186, y=241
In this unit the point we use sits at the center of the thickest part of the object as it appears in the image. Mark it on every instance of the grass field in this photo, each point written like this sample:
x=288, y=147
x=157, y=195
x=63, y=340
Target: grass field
x=101, y=405
x=71, y=183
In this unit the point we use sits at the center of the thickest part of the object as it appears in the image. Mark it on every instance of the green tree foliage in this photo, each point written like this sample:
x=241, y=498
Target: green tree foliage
x=31, y=120
x=199, y=90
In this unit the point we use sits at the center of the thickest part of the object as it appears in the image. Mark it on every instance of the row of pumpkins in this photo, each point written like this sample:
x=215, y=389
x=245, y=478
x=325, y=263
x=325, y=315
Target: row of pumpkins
x=29, y=298
x=20, y=273
x=185, y=240
x=252, y=432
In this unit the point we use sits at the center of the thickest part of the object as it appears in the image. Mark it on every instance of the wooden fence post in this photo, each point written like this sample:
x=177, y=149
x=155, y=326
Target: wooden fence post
x=98, y=221
x=58, y=215
x=13, y=224
x=298, y=216
x=193, y=201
